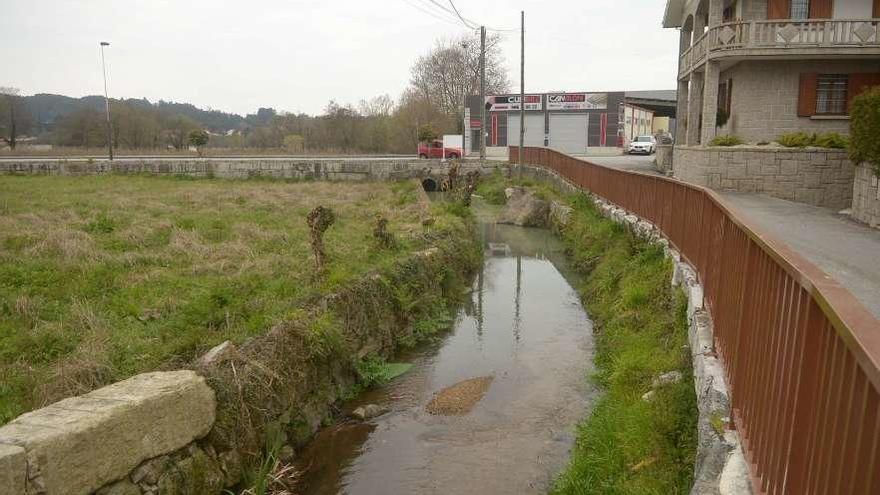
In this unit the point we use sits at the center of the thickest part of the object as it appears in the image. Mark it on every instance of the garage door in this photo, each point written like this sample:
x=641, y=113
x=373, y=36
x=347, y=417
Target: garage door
x=534, y=135
x=568, y=132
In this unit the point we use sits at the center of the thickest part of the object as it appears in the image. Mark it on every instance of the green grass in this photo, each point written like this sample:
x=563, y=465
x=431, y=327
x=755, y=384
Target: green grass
x=105, y=277
x=628, y=445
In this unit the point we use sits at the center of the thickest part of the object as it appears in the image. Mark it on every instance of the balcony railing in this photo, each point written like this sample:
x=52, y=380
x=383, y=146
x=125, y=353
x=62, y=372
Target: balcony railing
x=732, y=37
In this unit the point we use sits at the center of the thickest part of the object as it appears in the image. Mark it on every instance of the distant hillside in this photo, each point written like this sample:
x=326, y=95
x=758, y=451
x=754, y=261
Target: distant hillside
x=46, y=109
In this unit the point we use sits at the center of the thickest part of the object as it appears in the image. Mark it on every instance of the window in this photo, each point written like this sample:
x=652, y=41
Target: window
x=831, y=94
x=800, y=9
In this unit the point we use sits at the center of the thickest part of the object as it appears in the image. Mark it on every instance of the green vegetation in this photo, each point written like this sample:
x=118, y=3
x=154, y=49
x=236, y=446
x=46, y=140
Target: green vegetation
x=374, y=370
x=105, y=277
x=629, y=445
x=727, y=140
x=803, y=139
x=864, y=126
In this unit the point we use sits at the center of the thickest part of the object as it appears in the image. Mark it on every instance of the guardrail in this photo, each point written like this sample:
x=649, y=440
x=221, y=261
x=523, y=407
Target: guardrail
x=801, y=354
x=789, y=34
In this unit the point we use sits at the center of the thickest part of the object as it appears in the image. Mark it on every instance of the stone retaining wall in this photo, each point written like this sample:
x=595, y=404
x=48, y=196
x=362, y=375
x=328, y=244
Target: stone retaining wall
x=298, y=169
x=819, y=177
x=866, y=197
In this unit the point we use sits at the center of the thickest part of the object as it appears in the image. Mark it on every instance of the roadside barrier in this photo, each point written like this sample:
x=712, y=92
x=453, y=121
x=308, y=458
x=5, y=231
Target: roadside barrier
x=801, y=354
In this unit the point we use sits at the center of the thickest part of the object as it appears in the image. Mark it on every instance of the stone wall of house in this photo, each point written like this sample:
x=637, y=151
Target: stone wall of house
x=663, y=158
x=753, y=10
x=866, y=197
x=819, y=177
x=765, y=96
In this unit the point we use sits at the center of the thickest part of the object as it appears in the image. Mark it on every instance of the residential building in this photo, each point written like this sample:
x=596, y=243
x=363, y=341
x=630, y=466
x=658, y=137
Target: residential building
x=760, y=68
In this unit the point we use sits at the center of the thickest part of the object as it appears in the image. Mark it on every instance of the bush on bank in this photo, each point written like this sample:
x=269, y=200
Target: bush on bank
x=864, y=128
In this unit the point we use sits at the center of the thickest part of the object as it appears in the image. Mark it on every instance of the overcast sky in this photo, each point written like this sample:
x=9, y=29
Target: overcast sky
x=296, y=55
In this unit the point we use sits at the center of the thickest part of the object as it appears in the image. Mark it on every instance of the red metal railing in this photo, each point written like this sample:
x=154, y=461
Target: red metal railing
x=801, y=354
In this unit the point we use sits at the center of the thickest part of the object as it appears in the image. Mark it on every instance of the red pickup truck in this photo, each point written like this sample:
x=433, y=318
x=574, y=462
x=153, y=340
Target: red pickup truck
x=434, y=149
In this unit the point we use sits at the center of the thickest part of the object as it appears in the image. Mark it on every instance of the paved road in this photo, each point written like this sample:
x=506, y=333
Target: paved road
x=844, y=249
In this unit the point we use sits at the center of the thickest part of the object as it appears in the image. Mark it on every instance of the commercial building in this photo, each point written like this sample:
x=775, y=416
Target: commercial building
x=577, y=123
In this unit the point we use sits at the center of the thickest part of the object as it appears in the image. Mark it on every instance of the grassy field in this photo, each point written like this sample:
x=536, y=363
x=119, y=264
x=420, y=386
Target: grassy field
x=104, y=277
x=627, y=445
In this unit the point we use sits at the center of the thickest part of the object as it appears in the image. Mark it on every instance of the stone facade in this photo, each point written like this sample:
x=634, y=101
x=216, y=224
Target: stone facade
x=866, y=197
x=819, y=177
x=765, y=97
x=663, y=158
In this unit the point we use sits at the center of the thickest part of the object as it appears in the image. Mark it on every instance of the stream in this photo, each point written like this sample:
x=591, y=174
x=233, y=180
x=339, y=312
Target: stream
x=524, y=326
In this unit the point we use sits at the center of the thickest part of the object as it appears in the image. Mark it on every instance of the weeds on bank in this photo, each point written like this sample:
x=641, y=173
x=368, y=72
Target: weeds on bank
x=628, y=444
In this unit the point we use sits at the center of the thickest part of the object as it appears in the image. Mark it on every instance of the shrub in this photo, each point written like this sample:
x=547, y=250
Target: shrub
x=796, y=139
x=830, y=140
x=729, y=140
x=864, y=127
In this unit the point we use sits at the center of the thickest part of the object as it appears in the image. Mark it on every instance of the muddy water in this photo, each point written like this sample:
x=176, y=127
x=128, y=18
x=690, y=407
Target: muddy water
x=525, y=327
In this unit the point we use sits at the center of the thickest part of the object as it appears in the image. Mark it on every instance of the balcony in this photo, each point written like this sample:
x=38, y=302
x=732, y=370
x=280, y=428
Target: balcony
x=808, y=38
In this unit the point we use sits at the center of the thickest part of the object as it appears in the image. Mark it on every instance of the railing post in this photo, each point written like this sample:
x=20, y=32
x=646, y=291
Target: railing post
x=753, y=33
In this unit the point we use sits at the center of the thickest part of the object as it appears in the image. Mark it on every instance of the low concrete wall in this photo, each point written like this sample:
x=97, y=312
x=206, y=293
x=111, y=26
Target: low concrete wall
x=84, y=443
x=663, y=158
x=866, y=197
x=298, y=169
x=819, y=177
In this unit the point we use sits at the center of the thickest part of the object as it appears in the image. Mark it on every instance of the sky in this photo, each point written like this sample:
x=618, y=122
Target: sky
x=296, y=55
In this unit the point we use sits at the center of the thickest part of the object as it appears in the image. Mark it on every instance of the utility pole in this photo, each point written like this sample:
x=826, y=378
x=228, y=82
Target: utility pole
x=107, y=101
x=522, y=87
x=482, y=93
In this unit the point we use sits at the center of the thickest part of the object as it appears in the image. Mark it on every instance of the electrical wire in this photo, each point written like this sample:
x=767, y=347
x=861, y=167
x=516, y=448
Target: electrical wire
x=433, y=15
x=466, y=22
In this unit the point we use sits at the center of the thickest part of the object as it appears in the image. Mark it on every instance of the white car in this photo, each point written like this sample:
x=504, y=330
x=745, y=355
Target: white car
x=642, y=144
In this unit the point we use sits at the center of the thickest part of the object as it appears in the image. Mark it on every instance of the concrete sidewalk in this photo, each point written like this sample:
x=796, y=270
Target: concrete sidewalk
x=847, y=251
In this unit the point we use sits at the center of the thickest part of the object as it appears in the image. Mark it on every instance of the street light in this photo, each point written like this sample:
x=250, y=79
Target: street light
x=107, y=101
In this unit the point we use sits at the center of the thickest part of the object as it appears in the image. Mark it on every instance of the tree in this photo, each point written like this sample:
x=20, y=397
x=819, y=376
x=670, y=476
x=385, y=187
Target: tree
x=450, y=72
x=427, y=132
x=199, y=139
x=864, y=128
x=294, y=143
x=177, y=129
x=14, y=120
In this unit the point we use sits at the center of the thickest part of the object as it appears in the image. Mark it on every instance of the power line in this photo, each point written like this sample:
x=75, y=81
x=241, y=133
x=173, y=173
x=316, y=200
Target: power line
x=457, y=13
x=430, y=13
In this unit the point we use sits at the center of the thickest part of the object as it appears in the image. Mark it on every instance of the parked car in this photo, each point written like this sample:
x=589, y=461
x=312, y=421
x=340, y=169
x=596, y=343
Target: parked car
x=642, y=144
x=434, y=149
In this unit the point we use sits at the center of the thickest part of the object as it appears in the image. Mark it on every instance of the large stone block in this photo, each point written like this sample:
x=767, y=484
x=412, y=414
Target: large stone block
x=13, y=470
x=80, y=444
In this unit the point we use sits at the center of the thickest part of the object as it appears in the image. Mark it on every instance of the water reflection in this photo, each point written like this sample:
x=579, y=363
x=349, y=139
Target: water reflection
x=523, y=325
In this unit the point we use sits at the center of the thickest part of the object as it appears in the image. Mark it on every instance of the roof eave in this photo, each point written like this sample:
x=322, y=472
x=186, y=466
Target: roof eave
x=672, y=14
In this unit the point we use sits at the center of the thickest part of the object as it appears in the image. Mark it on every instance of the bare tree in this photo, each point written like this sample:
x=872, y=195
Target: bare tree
x=451, y=71
x=13, y=120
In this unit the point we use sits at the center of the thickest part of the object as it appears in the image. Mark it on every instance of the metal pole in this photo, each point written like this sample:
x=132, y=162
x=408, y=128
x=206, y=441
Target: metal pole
x=482, y=92
x=522, y=88
x=107, y=101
